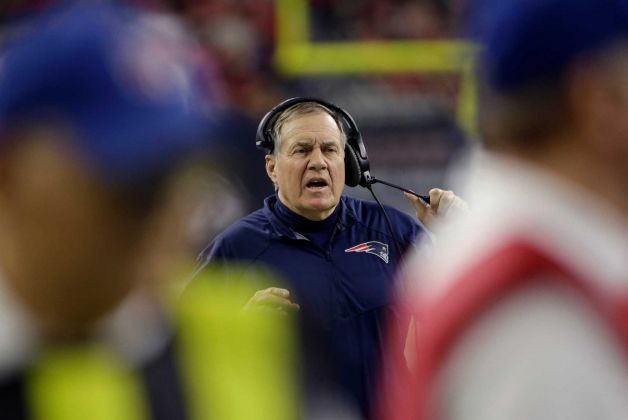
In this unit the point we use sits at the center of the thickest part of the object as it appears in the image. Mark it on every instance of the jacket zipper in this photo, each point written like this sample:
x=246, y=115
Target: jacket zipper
x=338, y=227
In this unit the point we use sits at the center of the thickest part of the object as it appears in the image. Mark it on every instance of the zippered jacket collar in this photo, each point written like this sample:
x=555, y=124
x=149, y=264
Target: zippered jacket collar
x=346, y=218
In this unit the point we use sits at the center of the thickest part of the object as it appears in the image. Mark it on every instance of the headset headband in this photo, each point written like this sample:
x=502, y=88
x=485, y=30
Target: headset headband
x=356, y=160
x=357, y=167
x=264, y=137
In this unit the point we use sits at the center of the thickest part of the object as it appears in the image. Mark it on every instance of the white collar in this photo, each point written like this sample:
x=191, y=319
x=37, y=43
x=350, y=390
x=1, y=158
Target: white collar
x=18, y=337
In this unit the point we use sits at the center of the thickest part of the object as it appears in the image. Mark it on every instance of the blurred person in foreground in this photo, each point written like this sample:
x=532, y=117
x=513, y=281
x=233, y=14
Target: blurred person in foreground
x=336, y=253
x=523, y=311
x=100, y=107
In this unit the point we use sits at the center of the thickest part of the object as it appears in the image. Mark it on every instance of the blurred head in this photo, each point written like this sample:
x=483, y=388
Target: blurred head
x=531, y=51
x=98, y=110
x=307, y=165
x=553, y=76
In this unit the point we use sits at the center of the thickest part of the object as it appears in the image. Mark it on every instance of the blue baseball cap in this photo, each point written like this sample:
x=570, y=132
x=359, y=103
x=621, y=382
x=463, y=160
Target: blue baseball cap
x=126, y=83
x=528, y=41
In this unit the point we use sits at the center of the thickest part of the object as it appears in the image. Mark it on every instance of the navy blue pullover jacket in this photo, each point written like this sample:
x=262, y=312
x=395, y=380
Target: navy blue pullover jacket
x=343, y=290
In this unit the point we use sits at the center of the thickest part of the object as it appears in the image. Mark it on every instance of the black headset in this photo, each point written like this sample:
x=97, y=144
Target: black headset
x=357, y=167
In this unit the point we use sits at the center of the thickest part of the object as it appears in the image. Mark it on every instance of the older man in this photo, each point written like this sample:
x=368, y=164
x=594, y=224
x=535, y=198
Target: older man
x=336, y=253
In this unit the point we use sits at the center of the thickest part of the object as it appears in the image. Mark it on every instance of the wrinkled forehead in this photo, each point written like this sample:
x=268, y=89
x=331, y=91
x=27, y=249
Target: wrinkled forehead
x=312, y=127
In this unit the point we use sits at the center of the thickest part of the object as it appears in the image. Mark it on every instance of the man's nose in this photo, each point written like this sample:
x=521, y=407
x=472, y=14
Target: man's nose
x=317, y=160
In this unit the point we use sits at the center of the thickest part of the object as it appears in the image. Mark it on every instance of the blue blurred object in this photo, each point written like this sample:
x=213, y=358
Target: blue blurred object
x=126, y=83
x=528, y=41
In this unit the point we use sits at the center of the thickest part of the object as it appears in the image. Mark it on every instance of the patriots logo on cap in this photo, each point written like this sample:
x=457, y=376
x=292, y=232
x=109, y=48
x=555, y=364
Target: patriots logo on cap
x=372, y=247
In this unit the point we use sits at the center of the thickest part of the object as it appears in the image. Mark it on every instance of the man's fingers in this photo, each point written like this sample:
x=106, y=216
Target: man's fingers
x=273, y=297
x=419, y=206
x=277, y=302
x=446, y=200
x=285, y=293
x=435, y=196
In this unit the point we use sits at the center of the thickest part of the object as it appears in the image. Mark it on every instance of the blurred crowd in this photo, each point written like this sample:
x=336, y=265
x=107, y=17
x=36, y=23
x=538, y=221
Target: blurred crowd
x=384, y=20
x=404, y=117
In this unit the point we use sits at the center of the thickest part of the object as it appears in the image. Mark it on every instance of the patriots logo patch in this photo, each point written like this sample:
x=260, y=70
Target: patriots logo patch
x=372, y=247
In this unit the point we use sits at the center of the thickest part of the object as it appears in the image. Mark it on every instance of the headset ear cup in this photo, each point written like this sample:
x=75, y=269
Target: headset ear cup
x=353, y=173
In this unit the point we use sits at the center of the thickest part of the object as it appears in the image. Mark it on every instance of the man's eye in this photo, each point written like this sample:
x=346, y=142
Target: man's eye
x=299, y=151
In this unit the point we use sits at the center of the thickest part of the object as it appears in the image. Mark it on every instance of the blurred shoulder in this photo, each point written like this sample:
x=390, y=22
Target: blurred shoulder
x=243, y=240
x=252, y=225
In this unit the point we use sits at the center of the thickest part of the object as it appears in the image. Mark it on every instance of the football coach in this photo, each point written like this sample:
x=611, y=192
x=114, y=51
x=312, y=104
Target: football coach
x=338, y=255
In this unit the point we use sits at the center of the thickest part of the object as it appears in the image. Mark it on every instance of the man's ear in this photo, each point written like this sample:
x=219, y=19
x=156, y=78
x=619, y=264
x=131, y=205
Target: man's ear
x=270, y=168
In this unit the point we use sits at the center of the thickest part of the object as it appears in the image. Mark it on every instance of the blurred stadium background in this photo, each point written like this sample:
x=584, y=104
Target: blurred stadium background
x=397, y=66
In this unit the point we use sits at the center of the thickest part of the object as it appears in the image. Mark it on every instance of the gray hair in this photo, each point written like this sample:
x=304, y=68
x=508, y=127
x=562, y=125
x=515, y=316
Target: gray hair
x=297, y=110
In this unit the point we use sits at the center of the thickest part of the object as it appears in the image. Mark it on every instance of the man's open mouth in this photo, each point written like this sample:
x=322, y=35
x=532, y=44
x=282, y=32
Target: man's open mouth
x=316, y=184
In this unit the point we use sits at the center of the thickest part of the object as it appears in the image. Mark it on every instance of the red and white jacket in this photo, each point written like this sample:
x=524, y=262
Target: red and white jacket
x=523, y=310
